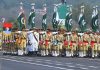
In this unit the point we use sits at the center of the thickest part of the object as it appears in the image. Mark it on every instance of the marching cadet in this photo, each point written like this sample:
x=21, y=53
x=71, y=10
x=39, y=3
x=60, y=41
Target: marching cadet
x=24, y=40
x=49, y=33
x=73, y=43
x=60, y=42
x=99, y=44
x=12, y=43
x=42, y=44
x=19, y=43
x=86, y=40
x=15, y=43
x=96, y=45
x=54, y=45
x=66, y=44
x=93, y=44
x=80, y=44
x=46, y=43
x=0, y=40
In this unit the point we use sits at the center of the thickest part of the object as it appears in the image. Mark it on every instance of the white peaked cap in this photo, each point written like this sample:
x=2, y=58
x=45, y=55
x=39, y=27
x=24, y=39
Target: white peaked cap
x=32, y=5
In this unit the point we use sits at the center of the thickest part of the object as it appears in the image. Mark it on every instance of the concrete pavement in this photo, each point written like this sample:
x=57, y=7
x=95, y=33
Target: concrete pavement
x=48, y=63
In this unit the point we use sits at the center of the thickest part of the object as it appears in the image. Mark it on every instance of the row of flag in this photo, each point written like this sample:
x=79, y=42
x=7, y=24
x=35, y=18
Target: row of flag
x=81, y=20
x=55, y=20
x=31, y=20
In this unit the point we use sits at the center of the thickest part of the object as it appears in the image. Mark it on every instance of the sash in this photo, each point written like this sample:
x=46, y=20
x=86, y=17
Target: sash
x=35, y=38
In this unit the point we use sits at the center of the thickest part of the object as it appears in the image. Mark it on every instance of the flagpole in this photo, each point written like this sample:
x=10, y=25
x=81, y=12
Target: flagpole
x=21, y=7
x=33, y=10
x=44, y=23
x=70, y=16
x=21, y=18
x=54, y=22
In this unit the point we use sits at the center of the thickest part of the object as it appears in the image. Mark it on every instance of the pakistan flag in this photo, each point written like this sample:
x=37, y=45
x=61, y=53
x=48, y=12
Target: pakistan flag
x=21, y=21
x=44, y=24
x=68, y=21
x=94, y=21
x=82, y=23
x=31, y=19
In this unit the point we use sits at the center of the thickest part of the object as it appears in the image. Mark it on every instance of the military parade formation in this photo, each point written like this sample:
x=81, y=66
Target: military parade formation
x=62, y=40
x=53, y=43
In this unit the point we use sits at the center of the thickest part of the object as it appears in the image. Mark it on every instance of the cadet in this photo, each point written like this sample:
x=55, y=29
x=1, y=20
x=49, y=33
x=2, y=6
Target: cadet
x=86, y=39
x=54, y=45
x=42, y=44
x=47, y=43
x=96, y=45
x=74, y=40
x=99, y=44
x=66, y=45
x=60, y=42
x=24, y=40
x=80, y=45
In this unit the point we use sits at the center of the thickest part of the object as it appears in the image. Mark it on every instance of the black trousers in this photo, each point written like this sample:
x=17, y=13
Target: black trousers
x=30, y=52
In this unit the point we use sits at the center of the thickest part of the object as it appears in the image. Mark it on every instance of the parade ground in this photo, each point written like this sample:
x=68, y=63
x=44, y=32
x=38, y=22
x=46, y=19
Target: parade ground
x=48, y=63
x=52, y=35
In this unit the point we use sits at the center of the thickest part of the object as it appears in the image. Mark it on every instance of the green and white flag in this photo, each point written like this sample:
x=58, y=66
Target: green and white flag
x=44, y=23
x=55, y=19
x=31, y=19
x=21, y=21
x=68, y=21
x=81, y=20
x=94, y=20
x=82, y=23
